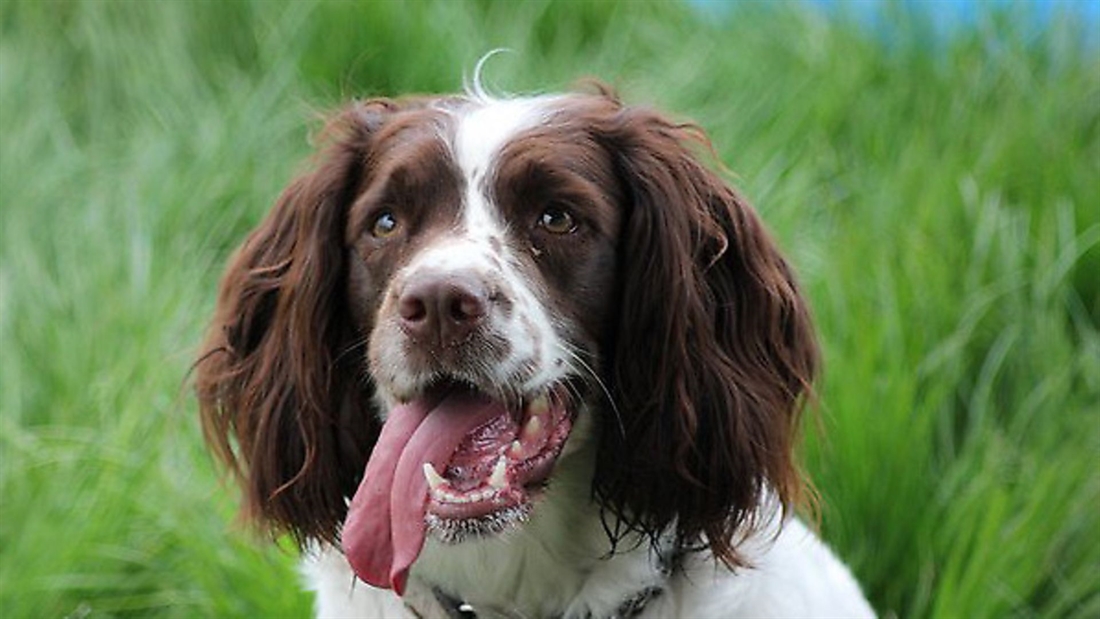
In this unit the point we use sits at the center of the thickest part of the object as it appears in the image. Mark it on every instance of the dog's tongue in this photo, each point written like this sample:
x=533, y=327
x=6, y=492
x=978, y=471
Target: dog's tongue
x=384, y=530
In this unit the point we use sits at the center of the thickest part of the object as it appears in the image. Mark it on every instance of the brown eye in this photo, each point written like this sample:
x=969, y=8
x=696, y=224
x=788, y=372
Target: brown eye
x=557, y=220
x=384, y=225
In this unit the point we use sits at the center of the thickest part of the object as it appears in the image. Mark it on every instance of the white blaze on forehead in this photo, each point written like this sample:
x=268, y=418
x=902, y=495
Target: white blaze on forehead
x=485, y=127
x=482, y=129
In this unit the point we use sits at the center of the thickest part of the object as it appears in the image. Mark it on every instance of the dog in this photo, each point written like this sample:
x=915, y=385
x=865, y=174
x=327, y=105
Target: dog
x=521, y=357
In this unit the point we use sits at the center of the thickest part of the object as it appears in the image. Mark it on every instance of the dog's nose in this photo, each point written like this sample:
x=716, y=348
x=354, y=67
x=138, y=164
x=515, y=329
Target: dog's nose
x=443, y=308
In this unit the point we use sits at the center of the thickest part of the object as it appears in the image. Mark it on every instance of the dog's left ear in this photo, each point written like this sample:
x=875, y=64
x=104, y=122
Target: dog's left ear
x=714, y=352
x=278, y=406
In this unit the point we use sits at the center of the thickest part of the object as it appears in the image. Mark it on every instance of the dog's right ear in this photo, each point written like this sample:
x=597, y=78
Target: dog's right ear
x=279, y=407
x=715, y=352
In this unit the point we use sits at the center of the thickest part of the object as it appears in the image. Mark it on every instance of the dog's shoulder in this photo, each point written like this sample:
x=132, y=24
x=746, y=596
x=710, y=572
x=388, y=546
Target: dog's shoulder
x=793, y=574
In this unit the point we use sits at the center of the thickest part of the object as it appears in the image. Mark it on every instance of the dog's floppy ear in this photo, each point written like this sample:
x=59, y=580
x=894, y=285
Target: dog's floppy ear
x=279, y=405
x=714, y=352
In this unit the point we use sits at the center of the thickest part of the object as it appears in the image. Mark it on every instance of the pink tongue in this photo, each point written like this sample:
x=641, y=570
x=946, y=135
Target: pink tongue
x=384, y=530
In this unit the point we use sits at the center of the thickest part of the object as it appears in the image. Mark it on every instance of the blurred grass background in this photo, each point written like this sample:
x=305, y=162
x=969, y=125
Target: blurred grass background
x=939, y=195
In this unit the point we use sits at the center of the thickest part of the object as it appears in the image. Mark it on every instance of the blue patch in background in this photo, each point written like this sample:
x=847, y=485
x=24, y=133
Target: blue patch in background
x=944, y=17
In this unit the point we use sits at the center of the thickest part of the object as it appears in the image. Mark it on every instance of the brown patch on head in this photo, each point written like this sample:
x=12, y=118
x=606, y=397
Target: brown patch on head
x=561, y=166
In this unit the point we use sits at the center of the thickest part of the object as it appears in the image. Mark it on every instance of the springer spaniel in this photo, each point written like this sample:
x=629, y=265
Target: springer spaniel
x=521, y=357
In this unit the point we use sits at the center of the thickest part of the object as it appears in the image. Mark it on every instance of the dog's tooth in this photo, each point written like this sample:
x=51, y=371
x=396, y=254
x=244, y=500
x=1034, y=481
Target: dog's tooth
x=499, y=478
x=538, y=406
x=516, y=449
x=532, y=427
x=435, y=480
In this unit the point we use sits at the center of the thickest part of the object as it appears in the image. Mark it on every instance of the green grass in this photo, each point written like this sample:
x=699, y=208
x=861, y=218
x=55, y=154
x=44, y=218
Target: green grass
x=942, y=205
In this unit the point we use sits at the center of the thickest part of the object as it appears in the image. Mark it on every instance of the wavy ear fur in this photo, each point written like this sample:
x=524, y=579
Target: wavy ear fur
x=714, y=351
x=278, y=405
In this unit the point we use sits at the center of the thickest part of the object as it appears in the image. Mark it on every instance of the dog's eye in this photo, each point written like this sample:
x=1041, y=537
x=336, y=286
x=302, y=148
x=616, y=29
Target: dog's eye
x=385, y=224
x=557, y=220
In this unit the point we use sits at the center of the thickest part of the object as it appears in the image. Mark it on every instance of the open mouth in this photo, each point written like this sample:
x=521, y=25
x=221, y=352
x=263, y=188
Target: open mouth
x=497, y=469
x=455, y=463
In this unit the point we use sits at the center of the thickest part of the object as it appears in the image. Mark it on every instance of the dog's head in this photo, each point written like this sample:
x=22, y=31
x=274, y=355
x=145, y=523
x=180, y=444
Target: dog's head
x=424, y=323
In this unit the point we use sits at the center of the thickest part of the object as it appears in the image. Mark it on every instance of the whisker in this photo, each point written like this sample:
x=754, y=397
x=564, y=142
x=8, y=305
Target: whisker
x=362, y=343
x=568, y=350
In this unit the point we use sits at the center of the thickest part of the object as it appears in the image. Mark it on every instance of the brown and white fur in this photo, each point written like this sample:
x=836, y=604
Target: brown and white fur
x=562, y=246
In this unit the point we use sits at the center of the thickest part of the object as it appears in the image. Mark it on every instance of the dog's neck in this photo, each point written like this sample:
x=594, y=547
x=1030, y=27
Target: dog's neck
x=530, y=577
x=557, y=564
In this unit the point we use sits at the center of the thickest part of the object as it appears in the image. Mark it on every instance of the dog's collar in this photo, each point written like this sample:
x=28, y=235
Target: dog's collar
x=630, y=607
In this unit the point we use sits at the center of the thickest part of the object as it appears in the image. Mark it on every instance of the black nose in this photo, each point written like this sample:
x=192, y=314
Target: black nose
x=442, y=308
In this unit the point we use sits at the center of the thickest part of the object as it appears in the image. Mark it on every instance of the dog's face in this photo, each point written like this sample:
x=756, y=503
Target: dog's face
x=422, y=324
x=482, y=250
x=482, y=262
